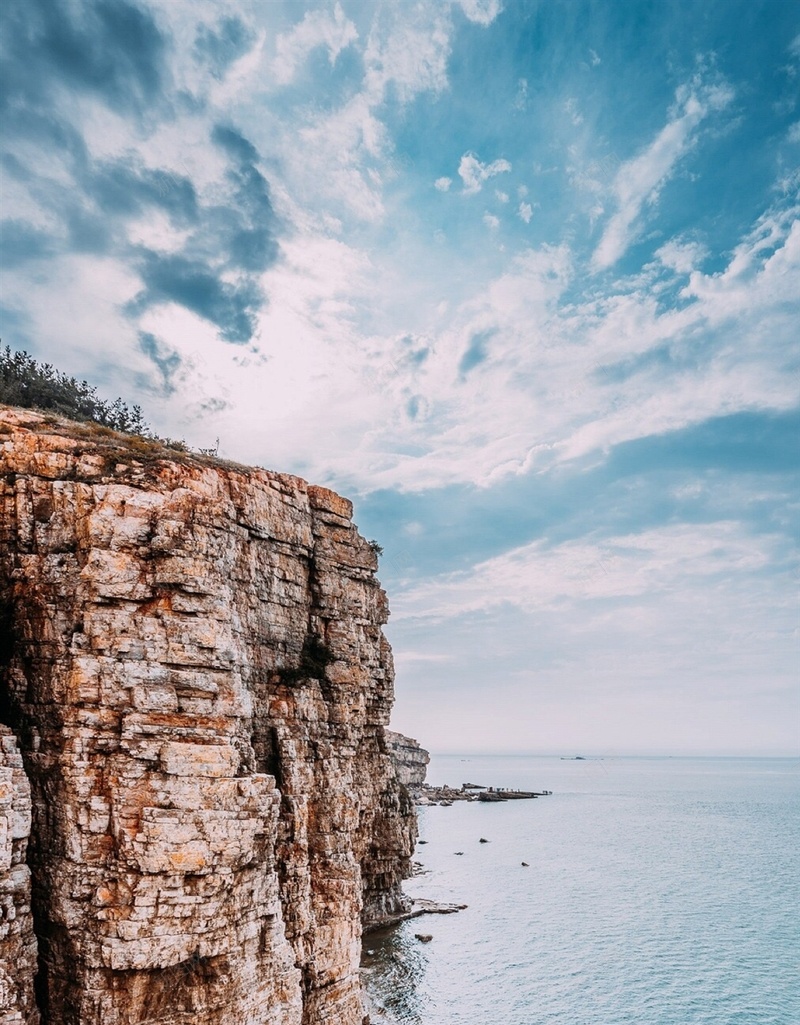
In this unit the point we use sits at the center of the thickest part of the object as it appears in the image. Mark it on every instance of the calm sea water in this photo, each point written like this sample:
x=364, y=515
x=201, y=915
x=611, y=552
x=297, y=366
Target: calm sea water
x=661, y=891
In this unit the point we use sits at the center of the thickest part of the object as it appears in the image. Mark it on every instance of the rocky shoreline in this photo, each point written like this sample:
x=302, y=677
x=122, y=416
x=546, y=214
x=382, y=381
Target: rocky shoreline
x=426, y=794
x=418, y=908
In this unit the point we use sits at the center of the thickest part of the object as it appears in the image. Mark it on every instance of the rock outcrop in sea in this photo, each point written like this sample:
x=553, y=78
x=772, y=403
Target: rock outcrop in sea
x=194, y=691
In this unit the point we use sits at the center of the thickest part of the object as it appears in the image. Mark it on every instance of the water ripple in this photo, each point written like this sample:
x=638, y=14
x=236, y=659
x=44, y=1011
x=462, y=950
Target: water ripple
x=659, y=892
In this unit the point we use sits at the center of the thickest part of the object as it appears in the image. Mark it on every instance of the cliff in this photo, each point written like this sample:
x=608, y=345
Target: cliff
x=17, y=940
x=194, y=671
x=410, y=760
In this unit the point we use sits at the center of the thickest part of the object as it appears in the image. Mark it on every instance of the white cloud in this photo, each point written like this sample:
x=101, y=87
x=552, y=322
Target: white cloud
x=675, y=639
x=473, y=173
x=411, y=52
x=502, y=197
x=536, y=576
x=443, y=184
x=544, y=397
x=521, y=99
x=405, y=657
x=317, y=29
x=343, y=158
x=681, y=257
x=640, y=180
x=535, y=393
x=340, y=158
x=482, y=12
x=794, y=132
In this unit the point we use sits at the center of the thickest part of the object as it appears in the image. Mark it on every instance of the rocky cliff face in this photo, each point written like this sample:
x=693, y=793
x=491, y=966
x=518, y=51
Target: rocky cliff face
x=194, y=670
x=17, y=940
x=410, y=760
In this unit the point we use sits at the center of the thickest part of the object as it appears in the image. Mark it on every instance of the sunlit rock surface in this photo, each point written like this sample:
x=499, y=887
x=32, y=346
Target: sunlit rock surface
x=194, y=670
x=17, y=940
x=410, y=760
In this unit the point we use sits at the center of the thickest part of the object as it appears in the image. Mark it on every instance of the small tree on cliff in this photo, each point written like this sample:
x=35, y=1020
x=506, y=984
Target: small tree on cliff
x=32, y=385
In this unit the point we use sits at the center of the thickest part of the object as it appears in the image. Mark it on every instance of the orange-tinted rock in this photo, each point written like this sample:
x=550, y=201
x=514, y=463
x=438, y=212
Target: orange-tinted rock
x=196, y=674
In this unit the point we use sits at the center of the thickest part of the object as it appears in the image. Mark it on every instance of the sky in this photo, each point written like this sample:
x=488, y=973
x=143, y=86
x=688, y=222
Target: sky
x=521, y=279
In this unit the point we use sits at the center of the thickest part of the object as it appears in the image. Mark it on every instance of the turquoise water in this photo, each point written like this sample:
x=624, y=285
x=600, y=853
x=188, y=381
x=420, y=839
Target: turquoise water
x=659, y=892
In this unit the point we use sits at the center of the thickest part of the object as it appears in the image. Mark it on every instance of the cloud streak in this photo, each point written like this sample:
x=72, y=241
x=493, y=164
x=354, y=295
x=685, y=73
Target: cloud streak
x=639, y=181
x=538, y=576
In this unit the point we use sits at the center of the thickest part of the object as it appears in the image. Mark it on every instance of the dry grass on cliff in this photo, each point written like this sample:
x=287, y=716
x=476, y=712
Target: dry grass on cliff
x=116, y=446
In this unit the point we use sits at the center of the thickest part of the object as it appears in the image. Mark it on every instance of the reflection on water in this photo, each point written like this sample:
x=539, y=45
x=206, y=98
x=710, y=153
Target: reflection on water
x=394, y=963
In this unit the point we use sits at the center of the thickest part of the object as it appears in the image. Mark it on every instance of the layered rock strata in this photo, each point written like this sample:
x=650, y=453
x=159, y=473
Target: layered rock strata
x=17, y=939
x=195, y=672
x=410, y=759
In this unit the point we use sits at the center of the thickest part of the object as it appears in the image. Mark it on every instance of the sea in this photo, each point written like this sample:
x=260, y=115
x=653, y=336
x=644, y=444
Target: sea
x=658, y=891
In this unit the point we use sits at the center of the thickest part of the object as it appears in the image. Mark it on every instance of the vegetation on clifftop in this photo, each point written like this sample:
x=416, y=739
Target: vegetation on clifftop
x=32, y=385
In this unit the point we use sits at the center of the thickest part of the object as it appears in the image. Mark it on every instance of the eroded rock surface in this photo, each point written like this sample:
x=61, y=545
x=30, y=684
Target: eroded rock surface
x=17, y=939
x=195, y=672
x=410, y=759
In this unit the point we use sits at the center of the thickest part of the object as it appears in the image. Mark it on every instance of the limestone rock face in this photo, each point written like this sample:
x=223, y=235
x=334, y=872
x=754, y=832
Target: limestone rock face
x=194, y=668
x=17, y=939
x=410, y=760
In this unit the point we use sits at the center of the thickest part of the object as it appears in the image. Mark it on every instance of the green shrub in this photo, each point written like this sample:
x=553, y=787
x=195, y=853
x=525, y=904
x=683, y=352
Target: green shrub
x=32, y=385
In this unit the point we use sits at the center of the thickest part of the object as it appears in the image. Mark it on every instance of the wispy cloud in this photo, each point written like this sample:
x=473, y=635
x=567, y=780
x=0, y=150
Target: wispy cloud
x=220, y=45
x=318, y=29
x=343, y=156
x=570, y=380
x=640, y=180
x=537, y=576
x=411, y=53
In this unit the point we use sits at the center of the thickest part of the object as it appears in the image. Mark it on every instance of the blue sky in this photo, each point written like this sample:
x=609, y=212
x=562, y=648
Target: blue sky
x=520, y=278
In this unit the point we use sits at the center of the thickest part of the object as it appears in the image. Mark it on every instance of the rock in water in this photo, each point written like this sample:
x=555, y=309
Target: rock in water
x=195, y=672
